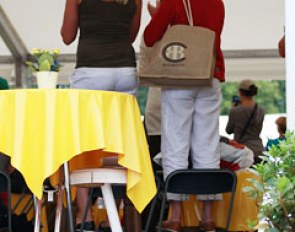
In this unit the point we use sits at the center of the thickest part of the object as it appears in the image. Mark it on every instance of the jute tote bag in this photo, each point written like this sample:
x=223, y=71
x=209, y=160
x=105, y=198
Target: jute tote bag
x=184, y=57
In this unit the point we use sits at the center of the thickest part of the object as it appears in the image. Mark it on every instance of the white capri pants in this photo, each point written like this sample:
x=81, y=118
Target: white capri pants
x=190, y=123
x=122, y=79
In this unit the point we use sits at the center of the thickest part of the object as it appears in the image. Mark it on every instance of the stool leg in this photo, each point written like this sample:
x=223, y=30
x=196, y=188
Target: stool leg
x=38, y=210
x=59, y=208
x=111, y=208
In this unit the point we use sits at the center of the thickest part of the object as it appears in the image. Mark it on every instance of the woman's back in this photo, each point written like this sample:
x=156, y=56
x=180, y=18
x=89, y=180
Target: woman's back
x=105, y=34
x=238, y=119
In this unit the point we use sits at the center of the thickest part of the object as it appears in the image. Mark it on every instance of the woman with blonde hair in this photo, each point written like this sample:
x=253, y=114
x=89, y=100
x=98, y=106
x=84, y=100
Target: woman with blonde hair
x=105, y=55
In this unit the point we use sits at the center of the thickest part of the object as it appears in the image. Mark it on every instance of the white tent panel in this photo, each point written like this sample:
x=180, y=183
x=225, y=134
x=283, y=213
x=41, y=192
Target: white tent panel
x=249, y=24
x=3, y=49
x=253, y=24
x=255, y=69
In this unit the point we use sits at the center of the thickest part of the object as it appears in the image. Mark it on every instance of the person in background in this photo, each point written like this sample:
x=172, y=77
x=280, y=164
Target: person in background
x=281, y=127
x=152, y=122
x=190, y=117
x=3, y=84
x=4, y=160
x=246, y=119
x=105, y=56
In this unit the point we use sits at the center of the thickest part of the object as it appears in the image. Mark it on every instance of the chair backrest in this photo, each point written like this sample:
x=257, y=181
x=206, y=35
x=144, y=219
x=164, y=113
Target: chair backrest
x=201, y=181
x=4, y=178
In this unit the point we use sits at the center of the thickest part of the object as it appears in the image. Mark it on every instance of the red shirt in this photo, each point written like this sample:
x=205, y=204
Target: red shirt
x=206, y=13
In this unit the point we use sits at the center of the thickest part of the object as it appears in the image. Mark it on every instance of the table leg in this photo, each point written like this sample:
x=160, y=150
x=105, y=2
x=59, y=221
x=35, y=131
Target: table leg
x=38, y=210
x=111, y=208
x=68, y=194
x=59, y=208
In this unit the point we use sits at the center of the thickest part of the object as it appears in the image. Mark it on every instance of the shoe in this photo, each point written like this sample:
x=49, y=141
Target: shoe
x=170, y=226
x=103, y=228
x=88, y=227
x=207, y=226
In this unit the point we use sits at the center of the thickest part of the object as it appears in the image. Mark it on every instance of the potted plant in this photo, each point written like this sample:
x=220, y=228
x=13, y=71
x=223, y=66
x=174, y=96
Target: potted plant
x=274, y=190
x=46, y=65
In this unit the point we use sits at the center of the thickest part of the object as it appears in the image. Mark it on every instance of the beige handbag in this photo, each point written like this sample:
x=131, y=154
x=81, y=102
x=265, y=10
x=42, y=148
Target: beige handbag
x=184, y=57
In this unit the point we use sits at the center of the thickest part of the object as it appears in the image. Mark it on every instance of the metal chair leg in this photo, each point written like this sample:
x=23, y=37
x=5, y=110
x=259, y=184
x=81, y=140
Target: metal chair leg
x=38, y=210
x=87, y=206
x=59, y=208
x=152, y=208
x=68, y=194
x=162, y=211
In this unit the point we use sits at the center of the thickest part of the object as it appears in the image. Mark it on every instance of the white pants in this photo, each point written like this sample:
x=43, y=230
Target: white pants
x=110, y=79
x=190, y=123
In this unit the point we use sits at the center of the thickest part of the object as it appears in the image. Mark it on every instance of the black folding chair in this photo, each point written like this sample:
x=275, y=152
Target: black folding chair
x=4, y=178
x=154, y=203
x=200, y=181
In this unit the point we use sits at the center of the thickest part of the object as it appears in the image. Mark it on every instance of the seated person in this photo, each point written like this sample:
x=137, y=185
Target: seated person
x=4, y=160
x=233, y=155
x=281, y=127
x=3, y=84
x=245, y=120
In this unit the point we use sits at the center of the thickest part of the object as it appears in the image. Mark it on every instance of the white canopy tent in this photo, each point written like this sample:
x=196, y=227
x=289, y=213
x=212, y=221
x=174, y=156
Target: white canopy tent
x=250, y=24
x=251, y=32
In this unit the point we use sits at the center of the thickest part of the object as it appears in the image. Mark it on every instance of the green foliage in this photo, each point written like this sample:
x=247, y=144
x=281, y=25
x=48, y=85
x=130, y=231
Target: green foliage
x=275, y=191
x=44, y=60
x=250, y=226
x=271, y=95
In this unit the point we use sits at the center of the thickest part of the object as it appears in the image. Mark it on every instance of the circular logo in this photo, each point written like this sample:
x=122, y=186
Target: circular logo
x=174, y=52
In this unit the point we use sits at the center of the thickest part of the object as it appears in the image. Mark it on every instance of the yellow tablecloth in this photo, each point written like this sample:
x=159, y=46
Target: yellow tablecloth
x=42, y=129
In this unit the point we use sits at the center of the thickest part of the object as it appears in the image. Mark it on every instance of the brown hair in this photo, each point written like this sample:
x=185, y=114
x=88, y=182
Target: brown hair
x=281, y=123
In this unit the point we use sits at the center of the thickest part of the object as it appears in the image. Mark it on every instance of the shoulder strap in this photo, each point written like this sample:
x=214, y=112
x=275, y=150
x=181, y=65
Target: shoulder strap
x=188, y=11
x=248, y=122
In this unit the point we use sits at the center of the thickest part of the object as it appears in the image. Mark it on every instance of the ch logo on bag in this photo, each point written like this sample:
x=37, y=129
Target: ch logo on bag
x=174, y=52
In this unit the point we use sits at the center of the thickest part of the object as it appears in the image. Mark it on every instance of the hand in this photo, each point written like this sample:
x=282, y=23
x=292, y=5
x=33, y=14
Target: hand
x=153, y=9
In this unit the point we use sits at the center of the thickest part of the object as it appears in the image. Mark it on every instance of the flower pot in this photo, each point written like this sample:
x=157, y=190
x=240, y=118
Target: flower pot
x=47, y=79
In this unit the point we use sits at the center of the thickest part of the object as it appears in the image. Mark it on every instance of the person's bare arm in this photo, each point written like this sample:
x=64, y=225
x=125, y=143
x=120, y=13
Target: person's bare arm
x=136, y=21
x=70, y=22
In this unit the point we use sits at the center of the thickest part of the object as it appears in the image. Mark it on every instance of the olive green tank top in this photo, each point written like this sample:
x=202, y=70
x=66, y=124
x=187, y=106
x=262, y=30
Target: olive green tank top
x=105, y=34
